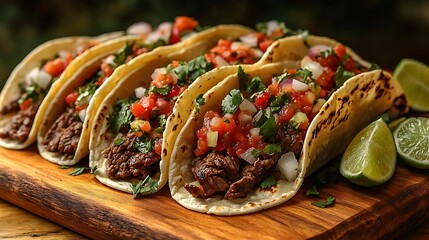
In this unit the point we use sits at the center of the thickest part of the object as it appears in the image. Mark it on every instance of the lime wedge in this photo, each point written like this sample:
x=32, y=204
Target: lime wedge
x=414, y=79
x=412, y=142
x=370, y=158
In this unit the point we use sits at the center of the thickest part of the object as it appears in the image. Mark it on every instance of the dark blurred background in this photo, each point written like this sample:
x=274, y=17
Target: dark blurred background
x=381, y=31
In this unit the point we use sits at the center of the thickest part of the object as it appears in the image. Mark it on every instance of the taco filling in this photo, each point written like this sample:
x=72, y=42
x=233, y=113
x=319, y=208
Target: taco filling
x=140, y=120
x=37, y=84
x=259, y=135
x=64, y=134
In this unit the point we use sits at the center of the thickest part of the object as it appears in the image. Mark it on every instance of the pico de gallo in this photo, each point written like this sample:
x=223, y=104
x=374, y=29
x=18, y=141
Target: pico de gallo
x=65, y=142
x=33, y=89
x=261, y=127
x=139, y=121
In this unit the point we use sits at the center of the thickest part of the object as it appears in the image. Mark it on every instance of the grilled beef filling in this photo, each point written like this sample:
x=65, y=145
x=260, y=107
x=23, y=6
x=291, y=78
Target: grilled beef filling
x=124, y=160
x=20, y=125
x=63, y=136
x=11, y=107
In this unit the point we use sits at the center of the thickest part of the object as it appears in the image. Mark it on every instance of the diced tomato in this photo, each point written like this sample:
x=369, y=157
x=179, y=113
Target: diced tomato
x=261, y=100
x=80, y=107
x=265, y=44
x=26, y=104
x=286, y=114
x=67, y=59
x=274, y=88
x=145, y=126
x=54, y=67
x=71, y=98
x=137, y=110
x=331, y=62
x=326, y=79
x=339, y=50
x=202, y=147
x=176, y=91
x=304, y=125
x=162, y=80
x=183, y=23
x=158, y=146
x=107, y=69
x=164, y=106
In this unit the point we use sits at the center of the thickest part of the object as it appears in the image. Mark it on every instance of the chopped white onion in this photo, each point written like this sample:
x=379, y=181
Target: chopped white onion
x=318, y=105
x=239, y=45
x=254, y=132
x=288, y=166
x=82, y=114
x=109, y=59
x=276, y=117
x=158, y=71
x=248, y=106
x=316, y=49
x=315, y=68
x=139, y=28
x=299, y=86
x=43, y=79
x=248, y=156
x=163, y=32
x=298, y=119
x=29, y=78
x=212, y=138
x=139, y=92
x=63, y=54
x=220, y=62
x=310, y=97
x=244, y=118
x=250, y=39
x=258, y=116
x=257, y=53
x=272, y=26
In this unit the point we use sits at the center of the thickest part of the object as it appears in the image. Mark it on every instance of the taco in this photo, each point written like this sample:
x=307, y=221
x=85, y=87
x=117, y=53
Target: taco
x=138, y=120
x=29, y=82
x=61, y=138
x=261, y=131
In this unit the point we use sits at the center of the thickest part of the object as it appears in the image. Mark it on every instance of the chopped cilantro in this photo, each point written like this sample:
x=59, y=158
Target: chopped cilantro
x=305, y=74
x=65, y=167
x=269, y=128
x=121, y=115
x=268, y=182
x=123, y=53
x=271, y=148
x=312, y=191
x=77, y=171
x=341, y=76
x=199, y=101
x=243, y=78
x=278, y=102
x=118, y=141
x=93, y=169
x=328, y=52
x=232, y=101
x=147, y=185
x=322, y=204
x=188, y=72
x=144, y=144
x=163, y=91
x=256, y=85
x=162, y=119
x=374, y=67
x=86, y=91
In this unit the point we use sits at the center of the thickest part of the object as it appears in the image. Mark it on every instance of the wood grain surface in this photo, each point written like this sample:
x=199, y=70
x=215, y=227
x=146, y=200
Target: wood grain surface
x=82, y=204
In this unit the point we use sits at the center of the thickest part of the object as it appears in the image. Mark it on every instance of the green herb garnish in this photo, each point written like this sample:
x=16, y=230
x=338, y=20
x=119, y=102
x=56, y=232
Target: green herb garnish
x=147, y=185
x=312, y=191
x=322, y=204
x=199, y=101
x=232, y=101
x=121, y=115
x=77, y=171
x=268, y=182
x=341, y=76
x=269, y=128
x=188, y=72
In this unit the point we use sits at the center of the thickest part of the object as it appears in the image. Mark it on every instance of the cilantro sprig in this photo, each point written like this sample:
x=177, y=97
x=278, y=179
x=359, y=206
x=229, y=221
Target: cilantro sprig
x=232, y=101
x=147, y=185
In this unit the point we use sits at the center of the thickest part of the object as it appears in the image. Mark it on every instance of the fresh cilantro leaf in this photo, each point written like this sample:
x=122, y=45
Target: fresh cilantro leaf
x=322, y=204
x=123, y=53
x=268, y=182
x=269, y=128
x=312, y=191
x=256, y=85
x=278, y=102
x=86, y=91
x=232, y=101
x=163, y=91
x=147, y=185
x=64, y=167
x=188, y=72
x=272, y=148
x=77, y=171
x=121, y=115
x=341, y=76
x=328, y=52
x=305, y=74
x=374, y=67
x=162, y=119
x=93, y=169
x=144, y=144
x=243, y=78
x=199, y=101
x=118, y=141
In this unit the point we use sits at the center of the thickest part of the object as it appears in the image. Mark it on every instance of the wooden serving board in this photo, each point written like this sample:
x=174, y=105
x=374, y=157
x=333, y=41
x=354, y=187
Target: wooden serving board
x=84, y=205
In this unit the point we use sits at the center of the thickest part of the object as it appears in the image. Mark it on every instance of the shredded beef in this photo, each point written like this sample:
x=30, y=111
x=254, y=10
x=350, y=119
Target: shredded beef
x=251, y=175
x=214, y=173
x=125, y=160
x=63, y=136
x=290, y=140
x=20, y=125
x=12, y=106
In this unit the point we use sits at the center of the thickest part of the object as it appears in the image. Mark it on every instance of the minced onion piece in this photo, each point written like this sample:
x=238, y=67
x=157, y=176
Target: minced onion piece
x=248, y=106
x=239, y=45
x=30, y=76
x=135, y=125
x=250, y=39
x=318, y=105
x=248, y=156
x=220, y=61
x=163, y=32
x=82, y=114
x=158, y=71
x=244, y=118
x=139, y=92
x=254, y=132
x=298, y=119
x=272, y=26
x=310, y=97
x=63, y=54
x=299, y=86
x=109, y=59
x=212, y=138
x=258, y=115
x=315, y=50
x=288, y=166
x=43, y=79
x=257, y=53
x=315, y=68
x=139, y=28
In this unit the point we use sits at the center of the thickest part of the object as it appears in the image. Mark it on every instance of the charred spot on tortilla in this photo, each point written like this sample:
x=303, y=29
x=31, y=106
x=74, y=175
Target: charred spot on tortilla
x=165, y=152
x=183, y=148
x=175, y=127
x=400, y=103
x=252, y=204
x=380, y=91
x=354, y=89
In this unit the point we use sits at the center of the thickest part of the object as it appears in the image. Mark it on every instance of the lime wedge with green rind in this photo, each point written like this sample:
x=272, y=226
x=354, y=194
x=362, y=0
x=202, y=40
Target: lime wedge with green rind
x=414, y=79
x=370, y=158
x=412, y=142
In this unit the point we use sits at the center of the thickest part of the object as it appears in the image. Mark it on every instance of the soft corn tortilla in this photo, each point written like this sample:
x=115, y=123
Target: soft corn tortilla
x=44, y=51
x=358, y=102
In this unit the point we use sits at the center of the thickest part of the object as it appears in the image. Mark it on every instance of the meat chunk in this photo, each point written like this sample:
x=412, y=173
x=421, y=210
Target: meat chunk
x=20, y=125
x=63, y=136
x=124, y=160
x=215, y=173
x=12, y=106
